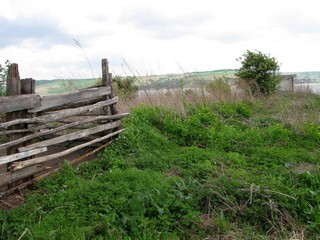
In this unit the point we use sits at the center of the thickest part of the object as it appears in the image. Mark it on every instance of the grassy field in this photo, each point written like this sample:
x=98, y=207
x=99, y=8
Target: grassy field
x=62, y=85
x=236, y=169
x=157, y=81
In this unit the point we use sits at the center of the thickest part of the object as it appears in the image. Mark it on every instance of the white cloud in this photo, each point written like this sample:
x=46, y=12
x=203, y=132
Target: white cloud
x=155, y=36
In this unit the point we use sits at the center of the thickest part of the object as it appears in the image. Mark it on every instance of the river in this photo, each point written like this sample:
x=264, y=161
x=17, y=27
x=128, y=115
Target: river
x=312, y=87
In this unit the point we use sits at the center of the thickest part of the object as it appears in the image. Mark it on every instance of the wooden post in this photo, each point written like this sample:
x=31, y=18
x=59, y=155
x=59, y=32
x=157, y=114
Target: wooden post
x=15, y=86
x=13, y=80
x=107, y=81
x=28, y=86
x=105, y=71
x=13, y=89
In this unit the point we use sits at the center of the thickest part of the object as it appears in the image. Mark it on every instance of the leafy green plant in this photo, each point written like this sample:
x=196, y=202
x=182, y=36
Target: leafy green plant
x=223, y=169
x=125, y=86
x=260, y=70
x=3, y=77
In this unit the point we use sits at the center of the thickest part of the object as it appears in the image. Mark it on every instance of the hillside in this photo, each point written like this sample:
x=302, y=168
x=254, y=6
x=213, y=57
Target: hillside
x=159, y=81
x=238, y=170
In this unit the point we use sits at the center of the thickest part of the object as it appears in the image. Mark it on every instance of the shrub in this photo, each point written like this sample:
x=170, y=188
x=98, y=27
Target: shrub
x=3, y=77
x=125, y=86
x=261, y=72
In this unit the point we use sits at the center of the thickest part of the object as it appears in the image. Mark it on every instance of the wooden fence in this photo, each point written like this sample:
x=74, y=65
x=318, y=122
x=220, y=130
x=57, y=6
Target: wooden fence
x=41, y=132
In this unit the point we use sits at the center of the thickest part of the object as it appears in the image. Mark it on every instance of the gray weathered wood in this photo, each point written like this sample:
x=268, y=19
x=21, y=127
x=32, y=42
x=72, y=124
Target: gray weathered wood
x=107, y=81
x=72, y=136
x=13, y=89
x=56, y=100
x=10, y=177
x=21, y=155
x=57, y=129
x=28, y=86
x=7, y=132
x=13, y=80
x=60, y=115
x=23, y=164
x=20, y=102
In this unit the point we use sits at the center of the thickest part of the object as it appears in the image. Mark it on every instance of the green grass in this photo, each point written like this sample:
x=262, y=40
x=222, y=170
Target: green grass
x=61, y=86
x=189, y=79
x=226, y=170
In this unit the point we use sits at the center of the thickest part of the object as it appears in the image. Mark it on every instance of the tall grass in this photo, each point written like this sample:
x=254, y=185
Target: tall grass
x=199, y=161
x=294, y=109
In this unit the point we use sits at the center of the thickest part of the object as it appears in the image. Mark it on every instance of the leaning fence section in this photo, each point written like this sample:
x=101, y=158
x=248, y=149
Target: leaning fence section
x=41, y=132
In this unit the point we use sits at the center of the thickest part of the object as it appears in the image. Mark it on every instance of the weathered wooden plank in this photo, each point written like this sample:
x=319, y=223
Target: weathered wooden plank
x=10, y=177
x=21, y=155
x=56, y=100
x=77, y=104
x=60, y=115
x=58, y=129
x=19, y=102
x=88, y=154
x=7, y=132
x=23, y=164
x=72, y=136
x=25, y=184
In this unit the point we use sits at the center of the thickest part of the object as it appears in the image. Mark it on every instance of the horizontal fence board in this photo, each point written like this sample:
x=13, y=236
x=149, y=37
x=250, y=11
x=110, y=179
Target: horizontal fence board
x=23, y=164
x=10, y=177
x=18, y=103
x=27, y=183
x=21, y=155
x=7, y=132
x=58, y=129
x=72, y=136
x=57, y=100
x=60, y=115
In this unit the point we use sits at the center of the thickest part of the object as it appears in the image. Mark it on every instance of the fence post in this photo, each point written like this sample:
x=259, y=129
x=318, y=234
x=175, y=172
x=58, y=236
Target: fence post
x=107, y=81
x=28, y=86
x=17, y=86
x=13, y=89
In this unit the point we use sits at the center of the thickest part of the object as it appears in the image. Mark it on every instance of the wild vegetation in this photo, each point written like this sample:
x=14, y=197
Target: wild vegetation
x=260, y=71
x=3, y=77
x=189, y=166
x=199, y=159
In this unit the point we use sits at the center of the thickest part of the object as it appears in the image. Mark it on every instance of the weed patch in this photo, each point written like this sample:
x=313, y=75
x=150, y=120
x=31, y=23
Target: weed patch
x=226, y=170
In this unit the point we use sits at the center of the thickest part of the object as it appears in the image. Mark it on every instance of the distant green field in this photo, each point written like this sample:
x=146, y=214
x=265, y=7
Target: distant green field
x=63, y=85
x=158, y=81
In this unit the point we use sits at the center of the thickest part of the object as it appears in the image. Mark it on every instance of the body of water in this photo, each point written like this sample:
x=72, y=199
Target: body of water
x=298, y=87
x=307, y=87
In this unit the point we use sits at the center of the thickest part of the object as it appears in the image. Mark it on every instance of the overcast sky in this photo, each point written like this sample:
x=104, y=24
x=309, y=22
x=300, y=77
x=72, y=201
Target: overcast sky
x=152, y=37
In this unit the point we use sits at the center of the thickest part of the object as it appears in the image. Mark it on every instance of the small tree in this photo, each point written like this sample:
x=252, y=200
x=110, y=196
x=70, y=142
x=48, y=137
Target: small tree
x=3, y=77
x=261, y=72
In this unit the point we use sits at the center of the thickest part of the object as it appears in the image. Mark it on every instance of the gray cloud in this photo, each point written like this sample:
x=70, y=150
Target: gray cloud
x=165, y=27
x=294, y=22
x=46, y=32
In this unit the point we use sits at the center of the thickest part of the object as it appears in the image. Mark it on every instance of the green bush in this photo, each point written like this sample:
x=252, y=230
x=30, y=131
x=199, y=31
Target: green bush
x=261, y=72
x=3, y=77
x=125, y=86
